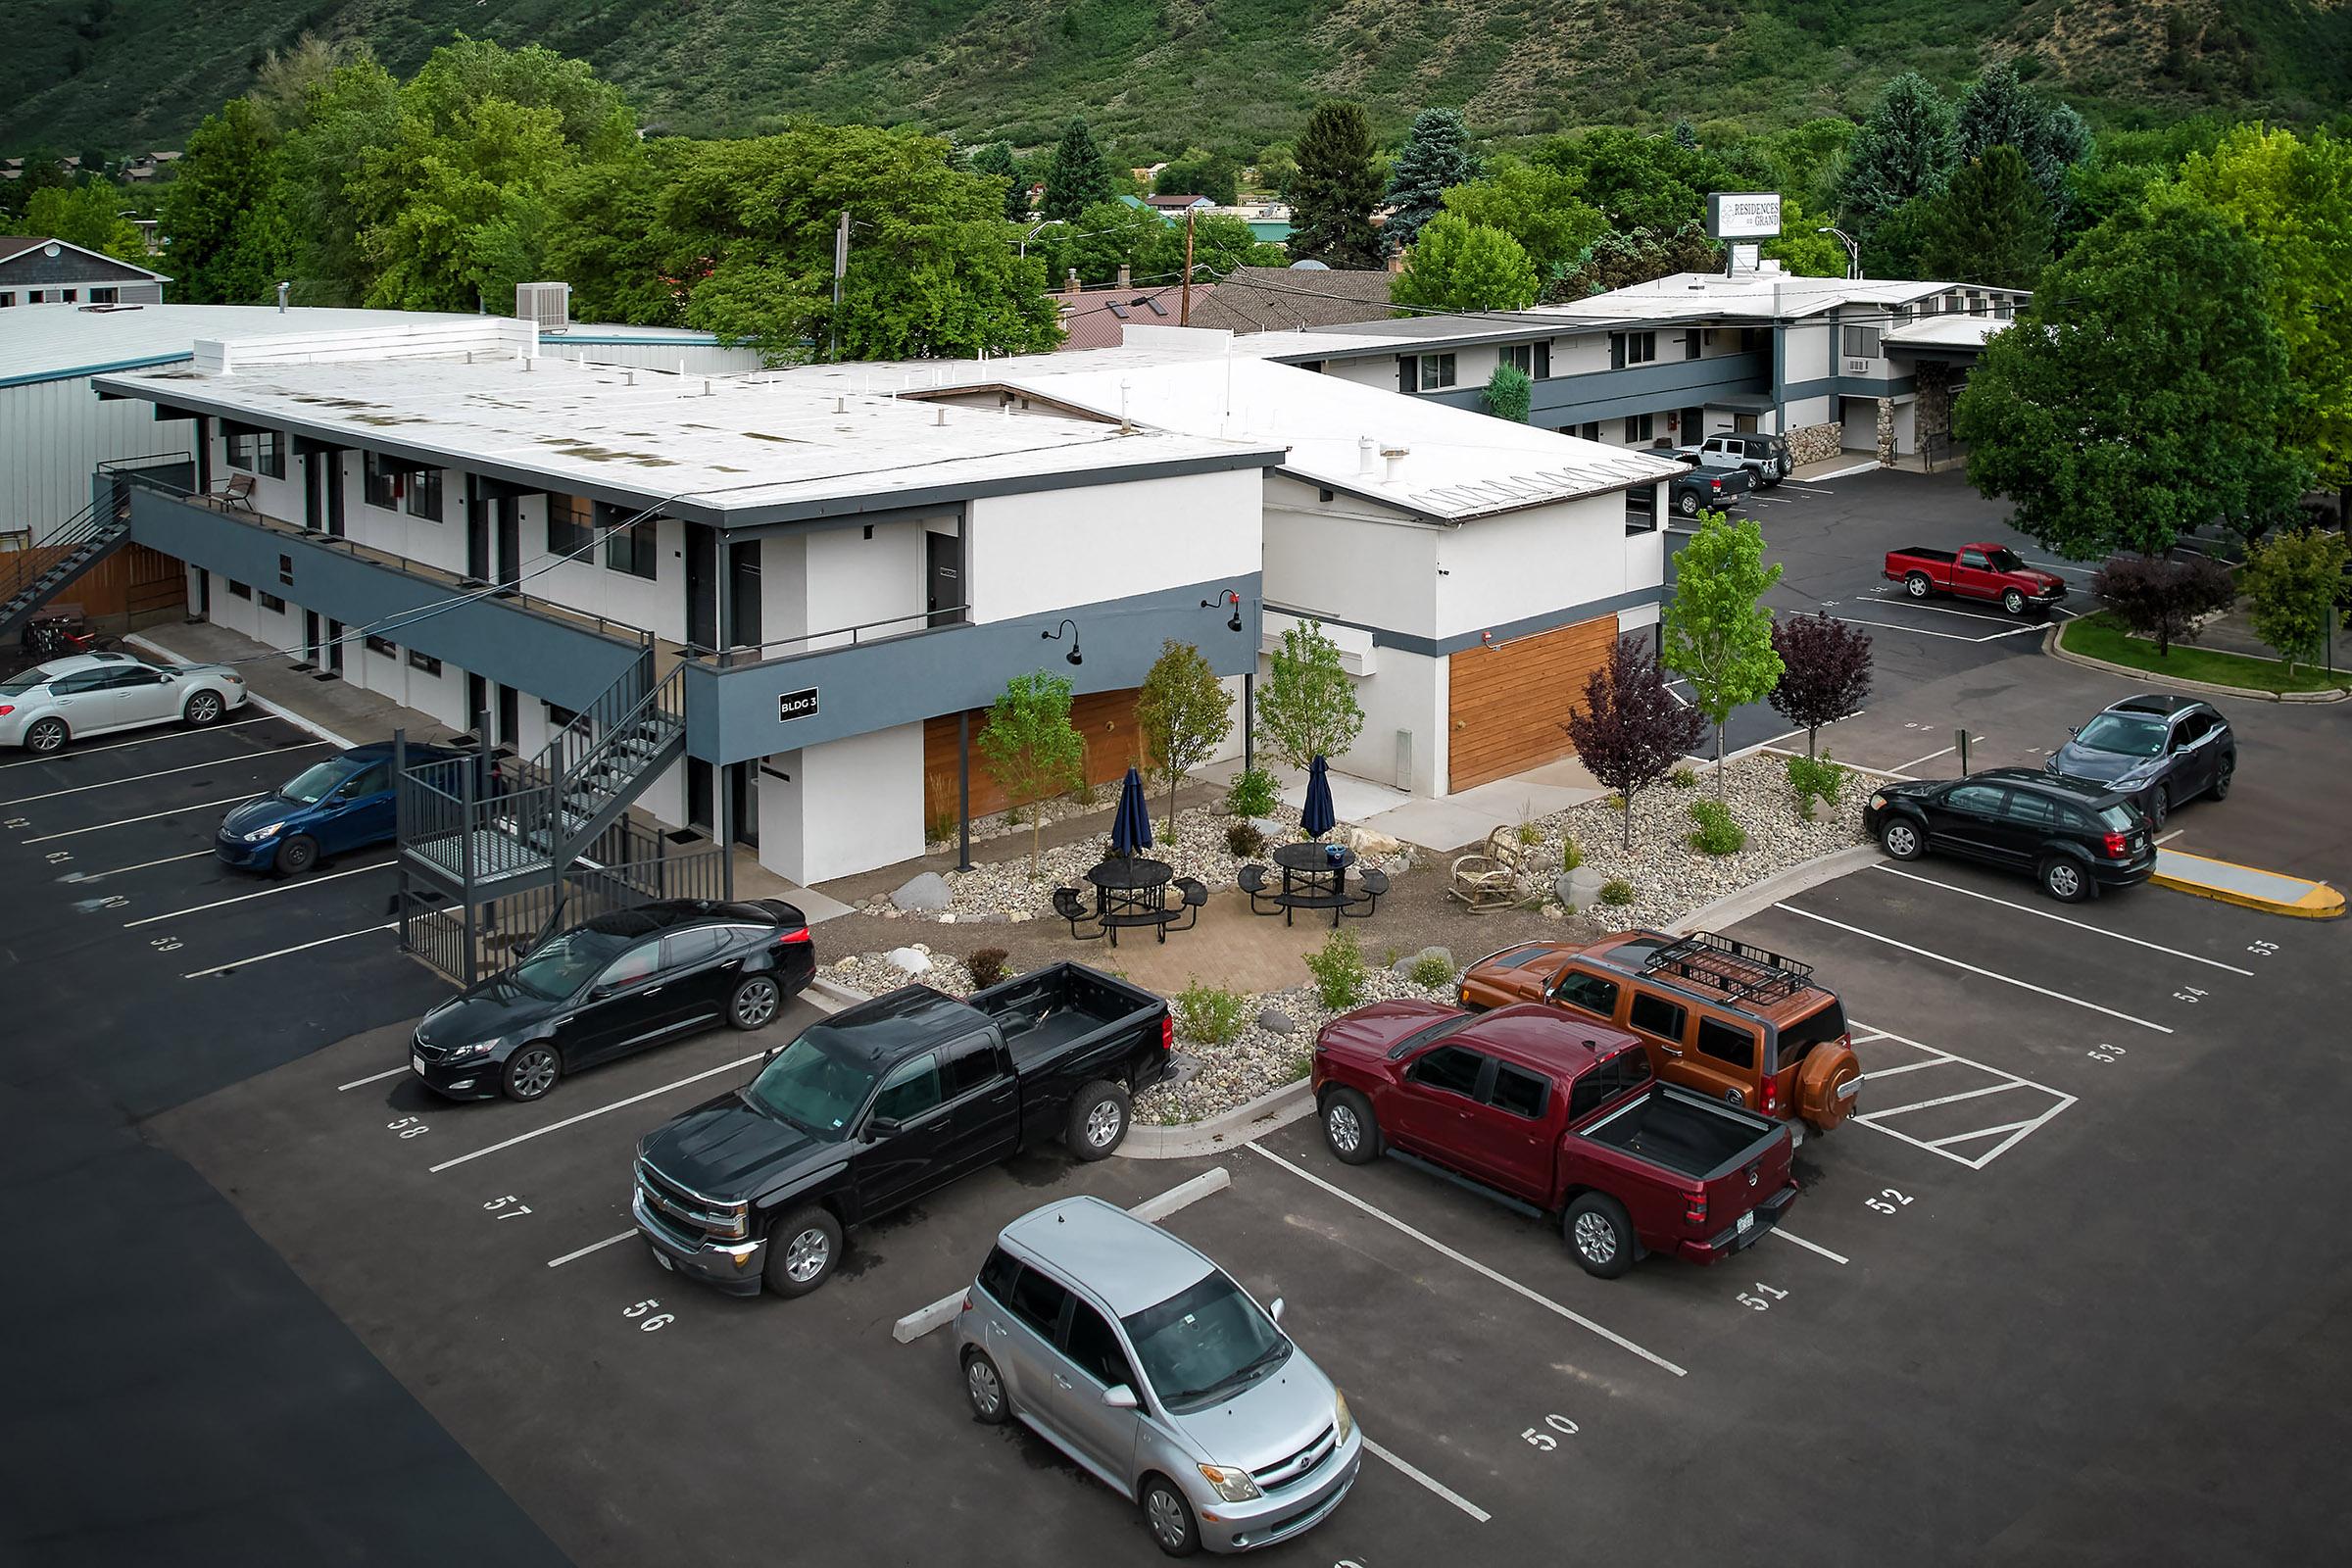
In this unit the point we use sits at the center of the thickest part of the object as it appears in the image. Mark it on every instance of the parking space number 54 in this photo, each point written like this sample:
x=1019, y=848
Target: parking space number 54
x=1543, y=1442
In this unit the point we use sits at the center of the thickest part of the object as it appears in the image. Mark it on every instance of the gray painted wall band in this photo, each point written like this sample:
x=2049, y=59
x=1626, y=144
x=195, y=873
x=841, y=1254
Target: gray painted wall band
x=1507, y=631
x=1636, y=389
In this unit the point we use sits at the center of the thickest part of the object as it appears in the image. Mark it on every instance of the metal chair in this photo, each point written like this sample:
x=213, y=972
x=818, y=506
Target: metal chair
x=1489, y=880
x=1071, y=907
x=1371, y=883
x=1253, y=881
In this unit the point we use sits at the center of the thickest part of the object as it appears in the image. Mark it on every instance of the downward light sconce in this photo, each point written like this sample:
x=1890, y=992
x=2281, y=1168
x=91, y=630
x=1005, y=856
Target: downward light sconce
x=1074, y=656
x=1228, y=597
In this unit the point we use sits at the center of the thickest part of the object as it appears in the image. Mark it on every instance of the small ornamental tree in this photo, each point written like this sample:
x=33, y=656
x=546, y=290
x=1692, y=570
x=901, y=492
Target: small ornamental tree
x=1308, y=709
x=1510, y=393
x=1029, y=746
x=1631, y=730
x=2162, y=597
x=1183, y=712
x=2291, y=584
x=1825, y=671
x=1717, y=632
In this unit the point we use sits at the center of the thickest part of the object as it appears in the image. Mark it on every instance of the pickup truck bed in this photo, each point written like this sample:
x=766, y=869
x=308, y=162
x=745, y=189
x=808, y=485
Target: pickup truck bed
x=1679, y=1130
x=1039, y=1014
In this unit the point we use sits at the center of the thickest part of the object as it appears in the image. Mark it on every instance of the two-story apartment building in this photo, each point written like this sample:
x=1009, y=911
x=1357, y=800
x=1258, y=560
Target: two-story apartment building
x=792, y=590
x=1825, y=361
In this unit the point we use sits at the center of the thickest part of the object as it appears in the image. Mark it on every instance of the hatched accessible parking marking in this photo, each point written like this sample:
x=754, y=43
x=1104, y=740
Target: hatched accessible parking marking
x=2051, y=1102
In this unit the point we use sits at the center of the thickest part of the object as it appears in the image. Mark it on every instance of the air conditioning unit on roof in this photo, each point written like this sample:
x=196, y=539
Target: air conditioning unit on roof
x=546, y=304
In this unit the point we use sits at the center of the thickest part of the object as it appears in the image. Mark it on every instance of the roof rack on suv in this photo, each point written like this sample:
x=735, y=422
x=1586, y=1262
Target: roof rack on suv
x=1736, y=968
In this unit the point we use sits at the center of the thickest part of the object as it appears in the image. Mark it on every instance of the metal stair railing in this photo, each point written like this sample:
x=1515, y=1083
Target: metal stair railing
x=599, y=779
x=49, y=564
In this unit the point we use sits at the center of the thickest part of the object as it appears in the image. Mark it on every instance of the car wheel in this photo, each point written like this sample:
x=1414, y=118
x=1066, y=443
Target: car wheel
x=1169, y=1518
x=803, y=1249
x=2064, y=880
x=1350, y=1130
x=1600, y=1235
x=754, y=1002
x=2160, y=806
x=297, y=855
x=1918, y=586
x=2220, y=779
x=1098, y=1120
x=47, y=737
x=1901, y=839
x=984, y=1386
x=533, y=1070
x=1688, y=505
x=202, y=709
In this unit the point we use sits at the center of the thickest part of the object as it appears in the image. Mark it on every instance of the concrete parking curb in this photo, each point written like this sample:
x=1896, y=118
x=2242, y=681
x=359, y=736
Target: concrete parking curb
x=1231, y=1129
x=251, y=699
x=2248, y=887
x=1733, y=908
x=2051, y=646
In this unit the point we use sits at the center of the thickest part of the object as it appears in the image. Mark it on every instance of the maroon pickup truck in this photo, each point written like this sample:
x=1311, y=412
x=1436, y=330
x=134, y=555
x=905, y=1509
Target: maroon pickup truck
x=1557, y=1118
x=1987, y=572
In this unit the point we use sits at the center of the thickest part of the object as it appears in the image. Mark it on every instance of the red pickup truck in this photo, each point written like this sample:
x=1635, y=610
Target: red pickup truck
x=1556, y=1117
x=1987, y=572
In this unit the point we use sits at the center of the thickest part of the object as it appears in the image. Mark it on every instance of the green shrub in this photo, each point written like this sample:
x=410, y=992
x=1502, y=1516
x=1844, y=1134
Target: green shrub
x=1431, y=971
x=1085, y=794
x=1529, y=835
x=1251, y=793
x=1684, y=776
x=1243, y=837
x=1717, y=833
x=1210, y=1015
x=942, y=828
x=1339, y=971
x=1617, y=892
x=1570, y=855
x=1815, y=780
x=987, y=965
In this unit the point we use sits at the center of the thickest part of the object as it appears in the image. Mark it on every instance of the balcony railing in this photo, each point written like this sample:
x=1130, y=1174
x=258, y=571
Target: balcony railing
x=824, y=642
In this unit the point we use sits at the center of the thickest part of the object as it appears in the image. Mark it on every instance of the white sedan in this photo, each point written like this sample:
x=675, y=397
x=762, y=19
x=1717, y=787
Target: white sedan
x=43, y=708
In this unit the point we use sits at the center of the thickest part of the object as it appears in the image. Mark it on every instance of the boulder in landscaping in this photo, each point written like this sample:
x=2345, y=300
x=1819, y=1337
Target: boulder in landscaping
x=909, y=960
x=1275, y=1021
x=1579, y=888
x=926, y=894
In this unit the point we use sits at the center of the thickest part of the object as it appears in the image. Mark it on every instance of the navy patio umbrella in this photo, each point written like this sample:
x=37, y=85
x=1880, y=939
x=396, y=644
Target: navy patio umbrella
x=1318, y=817
x=1131, y=824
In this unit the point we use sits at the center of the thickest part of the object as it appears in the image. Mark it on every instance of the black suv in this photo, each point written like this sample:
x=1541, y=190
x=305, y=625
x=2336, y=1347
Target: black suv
x=2074, y=836
x=2162, y=750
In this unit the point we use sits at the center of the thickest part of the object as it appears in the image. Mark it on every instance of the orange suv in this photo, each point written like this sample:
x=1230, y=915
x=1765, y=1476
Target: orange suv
x=1715, y=1015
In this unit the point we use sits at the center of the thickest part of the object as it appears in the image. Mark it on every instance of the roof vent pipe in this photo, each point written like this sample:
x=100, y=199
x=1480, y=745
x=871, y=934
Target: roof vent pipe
x=942, y=413
x=1392, y=457
x=628, y=379
x=840, y=405
x=281, y=297
x=1363, y=455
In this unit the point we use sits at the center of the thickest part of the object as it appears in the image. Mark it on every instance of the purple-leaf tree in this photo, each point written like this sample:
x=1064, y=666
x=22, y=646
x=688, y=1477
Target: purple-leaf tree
x=1631, y=729
x=2164, y=597
x=1825, y=671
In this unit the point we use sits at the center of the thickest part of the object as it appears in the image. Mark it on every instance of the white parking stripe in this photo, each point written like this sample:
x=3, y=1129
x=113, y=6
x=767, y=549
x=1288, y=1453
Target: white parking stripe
x=1470, y=1263
x=171, y=735
x=283, y=887
x=376, y=1078
x=1984, y=1132
x=1989, y=974
x=1905, y=1066
x=1931, y=756
x=1891, y=596
x=168, y=859
x=2079, y=925
x=590, y=1115
x=1949, y=636
x=1438, y=1486
x=1810, y=1247
x=592, y=1247
x=152, y=816
x=299, y=947
x=163, y=772
x=1946, y=1099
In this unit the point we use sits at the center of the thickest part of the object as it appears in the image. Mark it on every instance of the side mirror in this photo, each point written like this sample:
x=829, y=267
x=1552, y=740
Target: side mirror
x=2074, y=729
x=1275, y=1311
x=880, y=1127
x=1119, y=1397
x=600, y=991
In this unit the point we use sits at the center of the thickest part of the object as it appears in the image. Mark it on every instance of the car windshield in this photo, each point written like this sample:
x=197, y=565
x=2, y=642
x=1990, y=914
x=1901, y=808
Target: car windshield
x=1206, y=1345
x=2124, y=735
x=18, y=685
x=2004, y=560
x=314, y=784
x=816, y=1083
x=564, y=964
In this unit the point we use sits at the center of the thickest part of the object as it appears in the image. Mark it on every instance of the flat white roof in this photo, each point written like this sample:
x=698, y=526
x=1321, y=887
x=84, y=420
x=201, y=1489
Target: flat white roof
x=736, y=450
x=51, y=342
x=1759, y=294
x=1946, y=331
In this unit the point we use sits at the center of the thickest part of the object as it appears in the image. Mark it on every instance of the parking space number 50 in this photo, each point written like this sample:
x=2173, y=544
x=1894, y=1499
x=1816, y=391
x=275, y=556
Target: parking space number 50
x=1543, y=1442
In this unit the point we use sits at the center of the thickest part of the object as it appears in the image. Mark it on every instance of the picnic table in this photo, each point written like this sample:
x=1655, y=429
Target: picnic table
x=1314, y=876
x=1131, y=890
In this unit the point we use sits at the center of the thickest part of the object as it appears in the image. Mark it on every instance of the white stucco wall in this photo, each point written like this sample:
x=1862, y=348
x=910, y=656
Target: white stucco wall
x=849, y=580
x=1536, y=562
x=1807, y=352
x=1349, y=559
x=1378, y=371
x=843, y=806
x=1028, y=554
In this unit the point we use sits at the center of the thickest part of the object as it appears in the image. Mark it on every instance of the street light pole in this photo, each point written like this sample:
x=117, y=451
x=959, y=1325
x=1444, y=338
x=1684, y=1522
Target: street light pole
x=840, y=266
x=1853, y=251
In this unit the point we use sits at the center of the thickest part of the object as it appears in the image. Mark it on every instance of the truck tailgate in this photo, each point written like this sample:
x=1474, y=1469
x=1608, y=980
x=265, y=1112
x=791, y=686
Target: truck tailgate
x=1754, y=1178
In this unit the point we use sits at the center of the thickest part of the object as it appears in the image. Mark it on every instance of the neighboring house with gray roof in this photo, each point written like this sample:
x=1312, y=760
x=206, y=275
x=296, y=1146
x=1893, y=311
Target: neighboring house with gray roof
x=36, y=270
x=1291, y=299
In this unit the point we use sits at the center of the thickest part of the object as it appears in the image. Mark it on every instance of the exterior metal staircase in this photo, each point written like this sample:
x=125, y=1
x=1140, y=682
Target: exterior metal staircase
x=36, y=575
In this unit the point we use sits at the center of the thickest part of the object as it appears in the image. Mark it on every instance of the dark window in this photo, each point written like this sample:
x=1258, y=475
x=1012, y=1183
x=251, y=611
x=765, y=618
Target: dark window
x=1975, y=797
x=1590, y=429
x=1451, y=1068
x=257, y=451
x=1437, y=370
x=103, y=296
x=381, y=484
x=2034, y=811
x=424, y=495
x=1727, y=1043
x=692, y=946
x=1639, y=349
x=425, y=662
x=285, y=571
x=570, y=525
x=638, y=963
x=1038, y=1300
x=997, y=1274
x=371, y=780
x=1628, y=1069
x=630, y=548
x=1518, y=1091
x=384, y=645
x=126, y=676
x=2190, y=729
x=911, y=1089
x=1588, y=991
x=87, y=680
x=1861, y=342
x=1813, y=1029
x=238, y=590
x=271, y=601
x=1973, y=558
x=1639, y=427
x=1533, y=358
x=971, y=1064
x=1096, y=1348
x=1655, y=1015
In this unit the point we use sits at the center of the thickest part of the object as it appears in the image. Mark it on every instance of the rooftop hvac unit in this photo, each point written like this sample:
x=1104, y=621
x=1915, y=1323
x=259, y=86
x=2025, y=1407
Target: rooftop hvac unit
x=546, y=304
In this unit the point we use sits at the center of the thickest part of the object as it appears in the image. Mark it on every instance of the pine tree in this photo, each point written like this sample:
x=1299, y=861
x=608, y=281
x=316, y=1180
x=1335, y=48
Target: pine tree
x=1998, y=110
x=1991, y=225
x=996, y=161
x=1333, y=194
x=1079, y=175
x=1436, y=156
x=1903, y=150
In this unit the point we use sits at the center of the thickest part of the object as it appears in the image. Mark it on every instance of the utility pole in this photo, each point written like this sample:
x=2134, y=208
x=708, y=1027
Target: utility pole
x=840, y=267
x=1184, y=311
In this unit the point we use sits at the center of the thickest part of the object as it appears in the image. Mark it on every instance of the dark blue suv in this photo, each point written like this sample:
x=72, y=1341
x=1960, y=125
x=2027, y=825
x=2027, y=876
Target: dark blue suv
x=340, y=805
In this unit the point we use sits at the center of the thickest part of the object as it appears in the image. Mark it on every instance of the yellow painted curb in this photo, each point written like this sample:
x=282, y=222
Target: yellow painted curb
x=2318, y=903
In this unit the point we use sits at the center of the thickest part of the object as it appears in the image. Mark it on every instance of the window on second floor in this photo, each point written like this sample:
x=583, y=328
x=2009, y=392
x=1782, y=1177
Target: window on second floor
x=630, y=548
x=425, y=494
x=103, y=296
x=570, y=524
x=253, y=451
x=1435, y=371
x=1635, y=348
x=1861, y=342
x=381, y=484
x=1533, y=359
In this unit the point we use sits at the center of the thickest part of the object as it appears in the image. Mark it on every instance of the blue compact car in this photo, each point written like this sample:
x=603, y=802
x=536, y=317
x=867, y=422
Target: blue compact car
x=340, y=805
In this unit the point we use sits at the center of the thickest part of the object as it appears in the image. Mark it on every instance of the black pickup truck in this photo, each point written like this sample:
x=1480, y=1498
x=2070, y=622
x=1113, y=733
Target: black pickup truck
x=872, y=1108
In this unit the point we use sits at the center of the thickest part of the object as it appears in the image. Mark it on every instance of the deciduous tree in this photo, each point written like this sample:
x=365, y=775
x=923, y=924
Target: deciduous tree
x=2162, y=597
x=1436, y=156
x=1630, y=730
x=1458, y=265
x=1199, y=173
x=1029, y=746
x=1308, y=707
x=2292, y=583
x=1184, y=713
x=1825, y=671
x=229, y=210
x=89, y=215
x=1718, y=634
x=1334, y=191
x=1538, y=207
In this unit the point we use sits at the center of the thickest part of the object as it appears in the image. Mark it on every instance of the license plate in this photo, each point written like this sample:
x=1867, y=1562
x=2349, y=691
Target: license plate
x=1748, y=1222
x=417, y=1063
x=663, y=1258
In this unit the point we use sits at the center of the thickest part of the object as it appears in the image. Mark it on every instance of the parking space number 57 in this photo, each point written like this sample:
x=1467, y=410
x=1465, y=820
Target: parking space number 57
x=507, y=1208
x=1543, y=1442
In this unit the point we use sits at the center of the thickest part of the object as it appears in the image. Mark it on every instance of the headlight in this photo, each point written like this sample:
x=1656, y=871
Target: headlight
x=1339, y=1415
x=480, y=1048
x=234, y=681
x=1234, y=1486
x=1878, y=803
x=262, y=834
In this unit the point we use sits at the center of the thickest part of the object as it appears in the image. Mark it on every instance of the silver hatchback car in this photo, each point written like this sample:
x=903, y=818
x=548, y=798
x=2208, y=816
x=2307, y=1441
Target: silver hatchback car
x=1147, y=1364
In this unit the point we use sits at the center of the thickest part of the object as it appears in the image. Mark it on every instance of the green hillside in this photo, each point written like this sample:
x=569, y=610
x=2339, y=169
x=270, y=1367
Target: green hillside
x=118, y=75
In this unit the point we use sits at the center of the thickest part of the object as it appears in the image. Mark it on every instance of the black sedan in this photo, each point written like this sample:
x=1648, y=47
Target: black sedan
x=2074, y=837
x=620, y=984
x=2161, y=751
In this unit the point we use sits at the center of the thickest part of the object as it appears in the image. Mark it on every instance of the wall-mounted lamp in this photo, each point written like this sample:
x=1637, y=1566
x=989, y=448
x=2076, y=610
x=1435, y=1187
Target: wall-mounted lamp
x=1073, y=656
x=1228, y=597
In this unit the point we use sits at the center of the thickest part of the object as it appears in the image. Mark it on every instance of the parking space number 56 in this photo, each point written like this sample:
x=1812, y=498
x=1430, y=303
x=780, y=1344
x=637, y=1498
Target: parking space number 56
x=649, y=1316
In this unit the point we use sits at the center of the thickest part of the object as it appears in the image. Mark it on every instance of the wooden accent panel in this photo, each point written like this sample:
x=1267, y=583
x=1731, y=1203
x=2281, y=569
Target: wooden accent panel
x=133, y=582
x=1505, y=704
x=1105, y=721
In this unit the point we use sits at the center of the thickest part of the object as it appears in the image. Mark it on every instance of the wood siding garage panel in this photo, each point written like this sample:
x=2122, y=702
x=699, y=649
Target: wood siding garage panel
x=1105, y=721
x=1506, y=703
